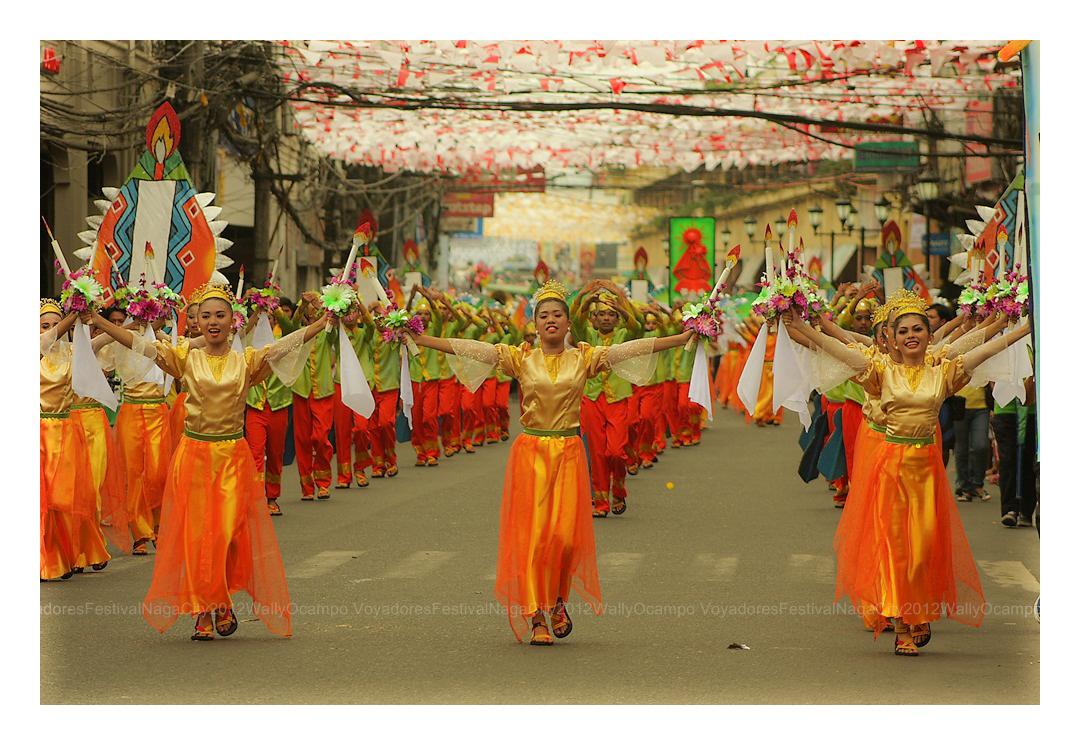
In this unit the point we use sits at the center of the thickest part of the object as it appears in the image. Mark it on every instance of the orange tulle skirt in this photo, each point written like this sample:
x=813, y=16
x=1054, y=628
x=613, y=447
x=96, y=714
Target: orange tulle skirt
x=901, y=551
x=107, y=470
x=69, y=537
x=216, y=539
x=546, y=544
x=177, y=417
x=146, y=443
x=868, y=444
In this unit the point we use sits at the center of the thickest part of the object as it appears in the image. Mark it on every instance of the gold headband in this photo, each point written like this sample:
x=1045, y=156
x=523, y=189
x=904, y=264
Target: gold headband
x=906, y=302
x=867, y=303
x=208, y=291
x=608, y=299
x=48, y=305
x=552, y=290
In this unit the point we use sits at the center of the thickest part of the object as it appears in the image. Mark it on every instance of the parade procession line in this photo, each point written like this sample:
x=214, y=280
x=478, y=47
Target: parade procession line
x=393, y=587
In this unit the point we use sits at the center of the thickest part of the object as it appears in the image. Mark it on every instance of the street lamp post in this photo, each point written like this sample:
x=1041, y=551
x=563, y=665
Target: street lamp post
x=926, y=188
x=725, y=237
x=750, y=223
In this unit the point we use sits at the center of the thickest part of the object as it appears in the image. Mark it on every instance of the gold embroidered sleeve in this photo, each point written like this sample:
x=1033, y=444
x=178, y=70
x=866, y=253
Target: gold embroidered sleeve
x=870, y=378
x=169, y=357
x=472, y=361
x=829, y=372
x=47, y=340
x=634, y=360
x=286, y=357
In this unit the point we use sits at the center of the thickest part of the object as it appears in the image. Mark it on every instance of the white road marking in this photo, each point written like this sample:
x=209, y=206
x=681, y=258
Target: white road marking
x=811, y=568
x=1010, y=574
x=618, y=567
x=419, y=564
x=322, y=563
x=714, y=568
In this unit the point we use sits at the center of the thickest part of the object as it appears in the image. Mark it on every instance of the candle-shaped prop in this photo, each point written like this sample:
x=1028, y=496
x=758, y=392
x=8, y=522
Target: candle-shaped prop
x=792, y=226
x=240, y=283
x=56, y=249
x=151, y=269
x=360, y=238
x=731, y=259
x=770, y=275
x=1002, y=239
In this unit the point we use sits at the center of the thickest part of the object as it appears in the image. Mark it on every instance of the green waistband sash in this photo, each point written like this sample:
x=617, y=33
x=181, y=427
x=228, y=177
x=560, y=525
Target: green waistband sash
x=876, y=427
x=53, y=414
x=916, y=441
x=89, y=405
x=129, y=400
x=203, y=437
x=551, y=432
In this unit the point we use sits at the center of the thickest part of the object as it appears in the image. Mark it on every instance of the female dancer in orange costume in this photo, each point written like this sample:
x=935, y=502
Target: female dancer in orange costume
x=176, y=416
x=902, y=556
x=70, y=537
x=142, y=428
x=546, y=543
x=216, y=536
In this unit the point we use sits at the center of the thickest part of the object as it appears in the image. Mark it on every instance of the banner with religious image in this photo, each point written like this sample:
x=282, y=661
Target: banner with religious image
x=691, y=257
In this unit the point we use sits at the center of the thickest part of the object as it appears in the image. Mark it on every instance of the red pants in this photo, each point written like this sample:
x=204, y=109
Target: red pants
x=649, y=428
x=425, y=419
x=502, y=407
x=490, y=409
x=671, y=413
x=350, y=432
x=450, y=414
x=605, y=427
x=472, y=416
x=265, y=432
x=382, y=429
x=312, y=420
x=689, y=416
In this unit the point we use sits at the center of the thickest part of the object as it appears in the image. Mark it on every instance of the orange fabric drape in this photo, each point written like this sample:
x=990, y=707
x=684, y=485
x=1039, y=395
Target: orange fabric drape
x=146, y=441
x=69, y=537
x=107, y=469
x=546, y=543
x=900, y=548
x=216, y=539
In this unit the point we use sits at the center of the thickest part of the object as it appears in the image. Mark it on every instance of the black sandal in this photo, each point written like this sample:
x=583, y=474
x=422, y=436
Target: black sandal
x=561, y=625
x=903, y=648
x=202, y=633
x=921, y=640
x=618, y=505
x=230, y=628
x=99, y=567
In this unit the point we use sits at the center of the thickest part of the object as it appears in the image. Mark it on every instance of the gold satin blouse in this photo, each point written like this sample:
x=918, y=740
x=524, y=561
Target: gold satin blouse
x=216, y=384
x=552, y=385
x=910, y=397
x=56, y=394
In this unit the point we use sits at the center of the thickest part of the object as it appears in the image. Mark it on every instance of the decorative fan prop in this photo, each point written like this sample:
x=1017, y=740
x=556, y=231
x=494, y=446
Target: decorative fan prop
x=157, y=205
x=991, y=246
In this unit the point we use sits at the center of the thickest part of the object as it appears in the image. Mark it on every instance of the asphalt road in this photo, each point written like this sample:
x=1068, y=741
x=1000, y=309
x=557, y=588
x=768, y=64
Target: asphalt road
x=393, y=587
